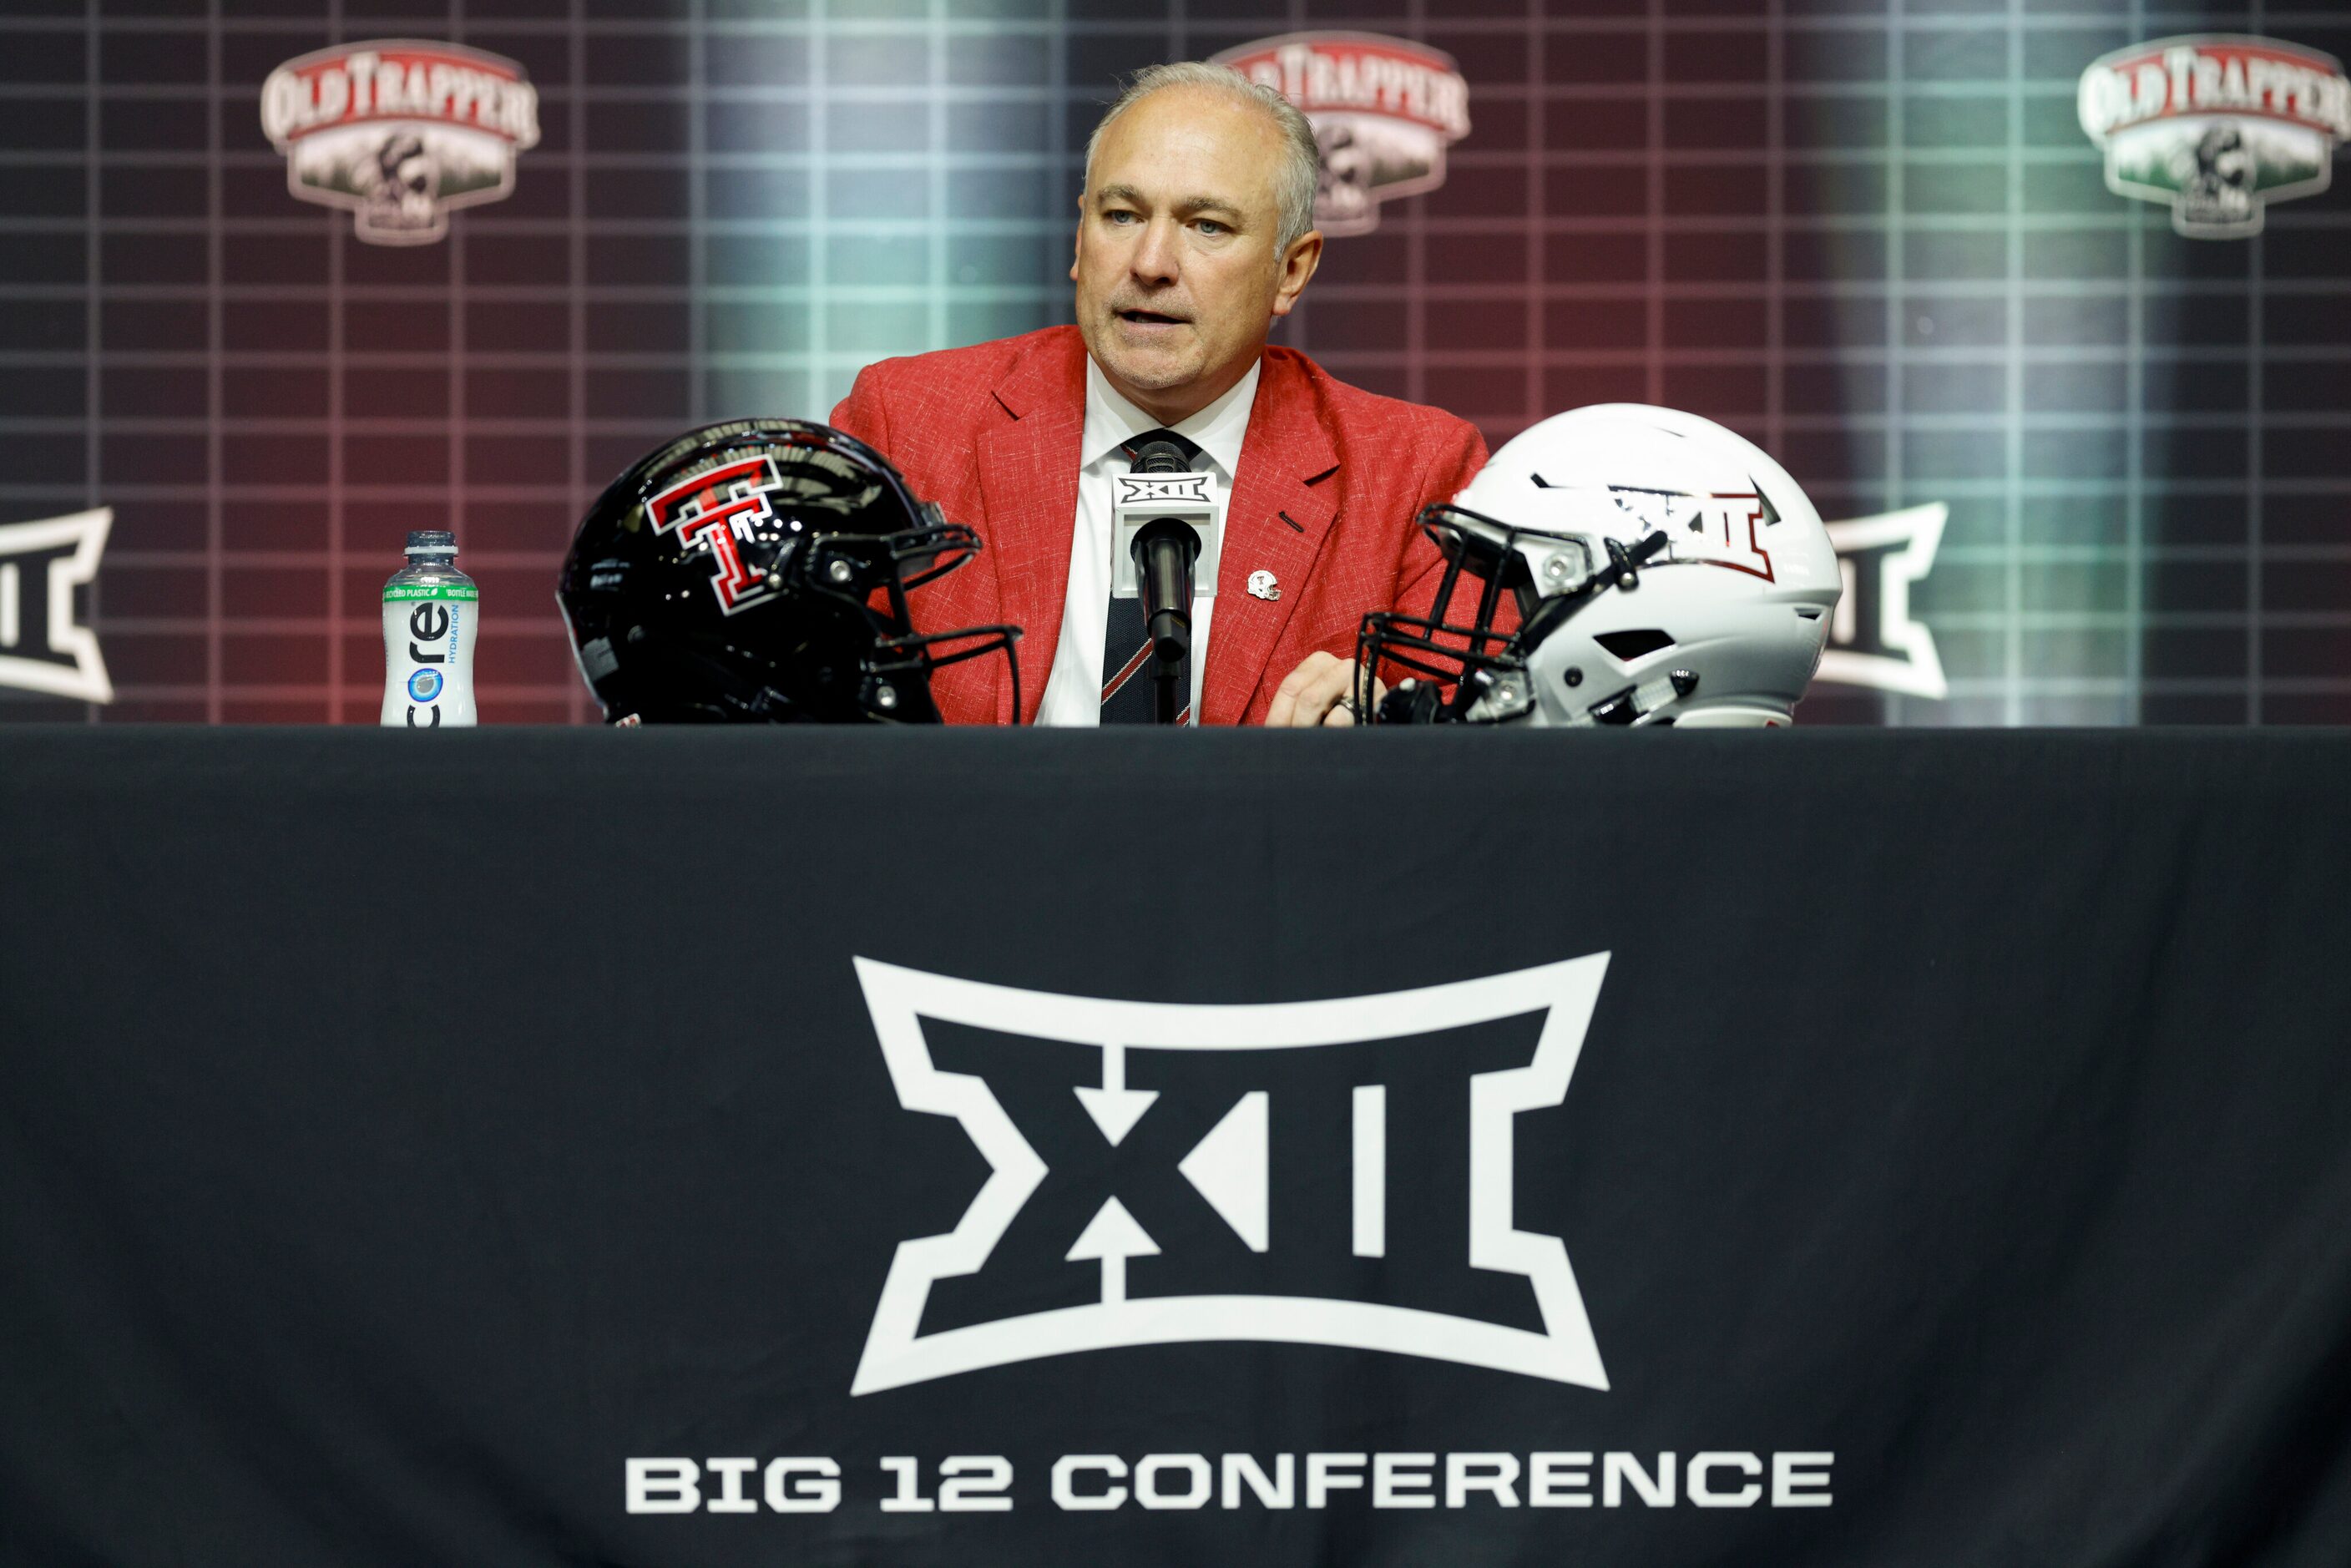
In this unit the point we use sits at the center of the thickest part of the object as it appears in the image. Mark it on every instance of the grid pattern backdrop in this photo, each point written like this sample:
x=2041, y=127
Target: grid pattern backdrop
x=1868, y=233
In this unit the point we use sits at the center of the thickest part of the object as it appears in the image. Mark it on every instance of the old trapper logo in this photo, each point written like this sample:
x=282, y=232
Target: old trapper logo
x=1383, y=112
x=400, y=133
x=1331, y=1173
x=2217, y=127
x=42, y=647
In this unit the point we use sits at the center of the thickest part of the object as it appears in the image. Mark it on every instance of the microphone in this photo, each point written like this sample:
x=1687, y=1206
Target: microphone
x=1159, y=458
x=1165, y=548
x=1164, y=553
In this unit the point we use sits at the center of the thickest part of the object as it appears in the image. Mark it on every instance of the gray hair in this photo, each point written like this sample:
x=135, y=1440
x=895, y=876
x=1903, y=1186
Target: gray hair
x=1301, y=162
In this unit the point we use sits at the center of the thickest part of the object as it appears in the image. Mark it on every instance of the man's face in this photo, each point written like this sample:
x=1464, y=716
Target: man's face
x=1178, y=272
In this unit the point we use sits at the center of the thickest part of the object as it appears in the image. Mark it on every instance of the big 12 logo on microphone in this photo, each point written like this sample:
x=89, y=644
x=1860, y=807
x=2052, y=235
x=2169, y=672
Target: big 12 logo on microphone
x=42, y=647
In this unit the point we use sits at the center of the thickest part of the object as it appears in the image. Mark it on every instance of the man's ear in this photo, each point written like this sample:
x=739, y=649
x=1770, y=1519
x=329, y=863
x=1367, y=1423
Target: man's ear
x=1298, y=265
x=1078, y=239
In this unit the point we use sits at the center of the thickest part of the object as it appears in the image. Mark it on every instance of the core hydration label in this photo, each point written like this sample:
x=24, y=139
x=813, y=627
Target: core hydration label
x=428, y=653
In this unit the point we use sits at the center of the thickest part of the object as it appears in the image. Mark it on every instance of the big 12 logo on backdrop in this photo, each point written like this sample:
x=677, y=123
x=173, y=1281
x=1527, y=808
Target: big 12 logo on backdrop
x=1874, y=639
x=42, y=647
x=1331, y=1173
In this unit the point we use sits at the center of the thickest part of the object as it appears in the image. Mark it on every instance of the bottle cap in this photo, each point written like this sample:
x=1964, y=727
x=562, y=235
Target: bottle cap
x=431, y=539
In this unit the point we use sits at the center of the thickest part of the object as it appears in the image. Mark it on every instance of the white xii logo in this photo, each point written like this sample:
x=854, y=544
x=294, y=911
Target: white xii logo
x=1154, y=489
x=42, y=647
x=1231, y=1167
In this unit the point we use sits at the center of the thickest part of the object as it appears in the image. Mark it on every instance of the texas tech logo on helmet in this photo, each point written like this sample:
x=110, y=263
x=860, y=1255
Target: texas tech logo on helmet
x=42, y=647
x=1383, y=112
x=1331, y=1173
x=715, y=511
x=400, y=133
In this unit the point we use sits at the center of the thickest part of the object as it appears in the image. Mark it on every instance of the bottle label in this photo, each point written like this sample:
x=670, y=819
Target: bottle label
x=428, y=653
x=399, y=592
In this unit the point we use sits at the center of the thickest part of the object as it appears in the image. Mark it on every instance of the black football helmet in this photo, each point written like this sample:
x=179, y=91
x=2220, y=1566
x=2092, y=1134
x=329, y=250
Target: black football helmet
x=757, y=573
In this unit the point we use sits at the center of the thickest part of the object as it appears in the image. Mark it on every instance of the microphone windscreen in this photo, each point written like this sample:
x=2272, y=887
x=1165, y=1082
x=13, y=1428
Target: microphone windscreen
x=1160, y=457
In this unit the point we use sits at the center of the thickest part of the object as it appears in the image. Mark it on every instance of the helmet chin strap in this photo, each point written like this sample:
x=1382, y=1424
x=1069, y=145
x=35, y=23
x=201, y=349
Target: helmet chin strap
x=1636, y=704
x=1622, y=570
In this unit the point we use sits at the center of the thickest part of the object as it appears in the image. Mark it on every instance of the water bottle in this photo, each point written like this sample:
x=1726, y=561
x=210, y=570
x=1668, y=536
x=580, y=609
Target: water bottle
x=429, y=611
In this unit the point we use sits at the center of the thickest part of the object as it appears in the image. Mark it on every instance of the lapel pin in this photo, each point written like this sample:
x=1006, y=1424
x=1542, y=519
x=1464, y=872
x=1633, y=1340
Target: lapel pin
x=1262, y=585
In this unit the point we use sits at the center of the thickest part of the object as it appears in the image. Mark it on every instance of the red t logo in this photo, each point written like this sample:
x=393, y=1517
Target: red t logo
x=712, y=510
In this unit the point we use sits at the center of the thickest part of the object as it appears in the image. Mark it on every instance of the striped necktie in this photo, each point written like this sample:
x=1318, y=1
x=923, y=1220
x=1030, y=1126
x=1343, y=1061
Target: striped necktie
x=1129, y=693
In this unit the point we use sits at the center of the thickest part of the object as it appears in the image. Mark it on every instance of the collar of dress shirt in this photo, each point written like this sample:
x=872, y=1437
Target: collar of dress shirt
x=1217, y=429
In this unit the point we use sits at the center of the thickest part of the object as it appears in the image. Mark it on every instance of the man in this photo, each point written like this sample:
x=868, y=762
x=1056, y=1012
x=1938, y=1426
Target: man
x=1194, y=234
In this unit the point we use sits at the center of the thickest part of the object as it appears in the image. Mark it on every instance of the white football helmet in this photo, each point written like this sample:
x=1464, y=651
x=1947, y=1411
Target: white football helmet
x=1662, y=570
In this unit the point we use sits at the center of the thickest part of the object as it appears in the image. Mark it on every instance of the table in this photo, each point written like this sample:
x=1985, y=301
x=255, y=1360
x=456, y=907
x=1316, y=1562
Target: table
x=521, y=1146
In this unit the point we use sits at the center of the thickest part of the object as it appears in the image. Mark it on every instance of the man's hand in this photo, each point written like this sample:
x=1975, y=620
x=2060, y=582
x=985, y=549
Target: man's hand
x=1320, y=691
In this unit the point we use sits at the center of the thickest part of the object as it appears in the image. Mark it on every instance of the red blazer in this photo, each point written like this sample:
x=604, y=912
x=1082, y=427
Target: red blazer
x=1331, y=479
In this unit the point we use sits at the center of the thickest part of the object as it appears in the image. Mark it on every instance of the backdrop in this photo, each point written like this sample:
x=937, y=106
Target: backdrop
x=1874, y=237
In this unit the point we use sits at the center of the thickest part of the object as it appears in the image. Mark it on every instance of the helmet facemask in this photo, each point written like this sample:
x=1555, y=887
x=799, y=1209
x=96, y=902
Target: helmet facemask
x=1438, y=670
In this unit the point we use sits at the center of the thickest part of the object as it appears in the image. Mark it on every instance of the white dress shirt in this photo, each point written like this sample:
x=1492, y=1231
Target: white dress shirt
x=1073, y=689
